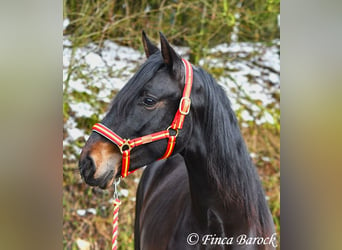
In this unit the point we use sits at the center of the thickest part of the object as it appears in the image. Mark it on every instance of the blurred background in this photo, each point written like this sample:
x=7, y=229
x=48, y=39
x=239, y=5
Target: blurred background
x=235, y=41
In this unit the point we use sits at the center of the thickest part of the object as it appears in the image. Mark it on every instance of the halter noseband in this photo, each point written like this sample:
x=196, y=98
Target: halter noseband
x=125, y=145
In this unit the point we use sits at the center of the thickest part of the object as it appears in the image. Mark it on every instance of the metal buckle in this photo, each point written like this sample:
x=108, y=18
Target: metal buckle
x=126, y=143
x=184, y=98
x=177, y=131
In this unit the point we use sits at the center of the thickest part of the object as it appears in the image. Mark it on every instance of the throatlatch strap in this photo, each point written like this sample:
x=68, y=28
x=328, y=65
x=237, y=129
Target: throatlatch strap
x=170, y=146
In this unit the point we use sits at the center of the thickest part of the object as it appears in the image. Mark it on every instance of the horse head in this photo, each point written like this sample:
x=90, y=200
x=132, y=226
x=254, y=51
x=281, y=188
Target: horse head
x=145, y=105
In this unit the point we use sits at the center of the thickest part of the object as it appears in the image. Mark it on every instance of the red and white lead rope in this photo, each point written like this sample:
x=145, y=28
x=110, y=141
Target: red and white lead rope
x=117, y=204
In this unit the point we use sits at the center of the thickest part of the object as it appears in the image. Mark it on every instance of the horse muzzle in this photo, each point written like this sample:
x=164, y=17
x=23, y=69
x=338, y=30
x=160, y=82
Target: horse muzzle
x=99, y=163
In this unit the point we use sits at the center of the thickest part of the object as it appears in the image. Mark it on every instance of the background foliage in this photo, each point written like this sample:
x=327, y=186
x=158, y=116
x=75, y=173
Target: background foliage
x=197, y=25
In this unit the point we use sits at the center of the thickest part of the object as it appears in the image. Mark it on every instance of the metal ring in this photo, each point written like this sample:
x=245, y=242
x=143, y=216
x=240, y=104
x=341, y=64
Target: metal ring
x=126, y=143
x=177, y=131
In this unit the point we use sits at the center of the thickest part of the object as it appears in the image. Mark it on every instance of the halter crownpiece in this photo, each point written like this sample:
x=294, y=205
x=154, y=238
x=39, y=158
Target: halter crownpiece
x=171, y=133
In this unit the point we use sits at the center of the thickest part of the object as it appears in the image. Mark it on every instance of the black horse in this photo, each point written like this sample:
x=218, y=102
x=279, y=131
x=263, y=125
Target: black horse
x=207, y=195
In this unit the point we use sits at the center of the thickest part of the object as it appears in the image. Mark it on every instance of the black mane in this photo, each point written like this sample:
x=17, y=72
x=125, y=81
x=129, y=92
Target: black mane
x=230, y=166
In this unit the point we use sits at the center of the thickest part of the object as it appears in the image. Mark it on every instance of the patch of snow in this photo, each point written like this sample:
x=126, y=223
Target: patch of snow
x=253, y=155
x=67, y=43
x=255, y=108
x=82, y=109
x=82, y=244
x=72, y=158
x=75, y=133
x=274, y=78
x=223, y=48
x=123, y=192
x=77, y=85
x=91, y=211
x=94, y=60
x=267, y=159
x=83, y=212
x=255, y=72
x=115, y=54
x=66, y=23
x=101, y=116
x=147, y=9
x=268, y=118
x=246, y=116
x=244, y=125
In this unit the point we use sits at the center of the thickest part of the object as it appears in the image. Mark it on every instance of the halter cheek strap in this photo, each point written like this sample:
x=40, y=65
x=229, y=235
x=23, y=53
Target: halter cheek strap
x=171, y=133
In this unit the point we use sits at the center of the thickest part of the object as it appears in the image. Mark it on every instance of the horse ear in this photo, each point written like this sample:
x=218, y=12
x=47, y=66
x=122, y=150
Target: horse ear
x=171, y=58
x=149, y=47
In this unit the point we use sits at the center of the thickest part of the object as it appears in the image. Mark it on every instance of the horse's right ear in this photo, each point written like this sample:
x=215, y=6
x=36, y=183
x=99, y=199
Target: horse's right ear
x=149, y=47
x=171, y=58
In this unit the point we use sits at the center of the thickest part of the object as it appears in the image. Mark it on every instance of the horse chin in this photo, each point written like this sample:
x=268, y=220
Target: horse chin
x=106, y=180
x=106, y=183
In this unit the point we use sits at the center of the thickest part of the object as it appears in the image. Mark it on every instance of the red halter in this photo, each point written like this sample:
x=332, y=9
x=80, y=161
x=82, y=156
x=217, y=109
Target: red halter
x=125, y=145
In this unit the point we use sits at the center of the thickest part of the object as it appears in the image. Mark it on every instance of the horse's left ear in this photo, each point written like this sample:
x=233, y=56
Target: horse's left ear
x=149, y=47
x=171, y=58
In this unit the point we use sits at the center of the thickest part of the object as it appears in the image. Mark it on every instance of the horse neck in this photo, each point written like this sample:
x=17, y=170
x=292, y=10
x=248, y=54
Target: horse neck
x=221, y=174
x=207, y=196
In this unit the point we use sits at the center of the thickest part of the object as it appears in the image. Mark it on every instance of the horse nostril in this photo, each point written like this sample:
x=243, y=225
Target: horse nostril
x=87, y=168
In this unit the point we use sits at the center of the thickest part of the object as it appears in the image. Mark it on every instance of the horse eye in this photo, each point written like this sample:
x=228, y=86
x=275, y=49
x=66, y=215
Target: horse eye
x=150, y=102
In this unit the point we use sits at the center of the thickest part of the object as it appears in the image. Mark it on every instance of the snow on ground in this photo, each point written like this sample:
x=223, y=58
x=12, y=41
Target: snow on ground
x=251, y=78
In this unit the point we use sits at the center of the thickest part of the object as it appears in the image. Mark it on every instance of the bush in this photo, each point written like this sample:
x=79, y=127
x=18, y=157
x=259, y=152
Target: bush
x=197, y=24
